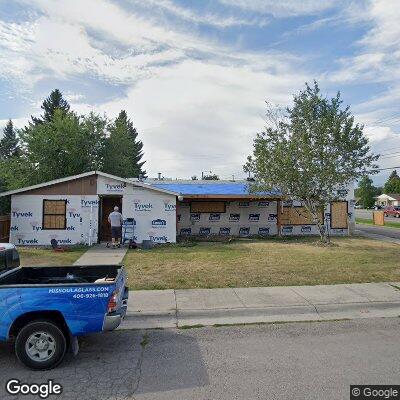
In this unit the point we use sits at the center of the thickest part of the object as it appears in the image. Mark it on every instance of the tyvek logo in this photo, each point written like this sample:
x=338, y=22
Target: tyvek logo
x=306, y=229
x=224, y=231
x=64, y=241
x=195, y=217
x=244, y=231
x=234, y=217
x=142, y=207
x=204, y=231
x=35, y=226
x=272, y=217
x=244, y=204
x=342, y=192
x=23, y=241
x=287, y=229
x=115, y=187
x=16, y=213
x=287, y=203
x=156, y=238
x=254, y=217
x=168, y=206
x=14, y=228
x=214, y=217
x=263, y=231
x=72, y=213
x=263, y=203
x=186, y=231
x=159, y=223
x=89, y=203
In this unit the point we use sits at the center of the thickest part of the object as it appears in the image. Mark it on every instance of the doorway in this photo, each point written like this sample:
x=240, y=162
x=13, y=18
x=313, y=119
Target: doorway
x=107, y=204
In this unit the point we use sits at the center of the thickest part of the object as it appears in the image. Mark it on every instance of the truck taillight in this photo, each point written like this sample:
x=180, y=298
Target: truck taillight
x=113, y=302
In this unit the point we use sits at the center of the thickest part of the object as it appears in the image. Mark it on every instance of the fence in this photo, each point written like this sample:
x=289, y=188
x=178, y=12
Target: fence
x=4, y=228
x=379, y=218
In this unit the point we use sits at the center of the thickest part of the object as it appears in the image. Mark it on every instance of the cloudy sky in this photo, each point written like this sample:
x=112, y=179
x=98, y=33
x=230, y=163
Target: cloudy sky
x=194, y=75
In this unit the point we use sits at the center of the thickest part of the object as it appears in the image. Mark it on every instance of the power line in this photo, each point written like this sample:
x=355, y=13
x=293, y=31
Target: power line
x=386, y=119
x=384, y=169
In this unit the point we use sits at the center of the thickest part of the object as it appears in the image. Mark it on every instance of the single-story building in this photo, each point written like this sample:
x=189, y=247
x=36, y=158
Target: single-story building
x=75, y=209
x=390, y=199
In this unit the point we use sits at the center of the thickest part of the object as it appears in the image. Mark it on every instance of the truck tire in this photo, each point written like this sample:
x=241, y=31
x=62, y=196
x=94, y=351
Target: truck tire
x=40, y=345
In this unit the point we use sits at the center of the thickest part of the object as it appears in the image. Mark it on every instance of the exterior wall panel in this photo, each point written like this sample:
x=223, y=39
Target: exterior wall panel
x=154, y=214
x=242, y=218
x=27, y=214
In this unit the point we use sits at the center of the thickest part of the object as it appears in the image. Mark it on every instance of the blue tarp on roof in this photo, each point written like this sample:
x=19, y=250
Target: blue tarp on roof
x=239, y=189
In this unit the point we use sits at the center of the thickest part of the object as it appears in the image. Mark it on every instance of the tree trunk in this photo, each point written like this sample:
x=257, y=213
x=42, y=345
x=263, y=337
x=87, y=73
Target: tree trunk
x=314, y=211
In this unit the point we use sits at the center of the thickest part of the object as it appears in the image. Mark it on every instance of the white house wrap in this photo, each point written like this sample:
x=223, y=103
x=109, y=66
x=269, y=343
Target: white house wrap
x=75, y=209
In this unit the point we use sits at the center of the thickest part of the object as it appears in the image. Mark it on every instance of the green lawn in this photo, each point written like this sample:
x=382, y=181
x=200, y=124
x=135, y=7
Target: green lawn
x=274, y=262
x=389, y=224
x=31, y=256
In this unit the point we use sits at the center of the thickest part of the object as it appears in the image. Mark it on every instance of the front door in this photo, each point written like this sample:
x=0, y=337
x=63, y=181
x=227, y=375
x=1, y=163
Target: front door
x=106, y=207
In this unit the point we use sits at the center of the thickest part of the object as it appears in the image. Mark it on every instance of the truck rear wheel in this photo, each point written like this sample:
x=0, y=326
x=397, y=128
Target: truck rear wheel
x=40, y=345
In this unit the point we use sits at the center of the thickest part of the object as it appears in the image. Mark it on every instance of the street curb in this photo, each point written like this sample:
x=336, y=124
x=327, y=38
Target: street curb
x=317, y=312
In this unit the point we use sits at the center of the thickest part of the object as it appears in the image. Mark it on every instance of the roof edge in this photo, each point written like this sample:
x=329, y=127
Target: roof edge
x=83, y=175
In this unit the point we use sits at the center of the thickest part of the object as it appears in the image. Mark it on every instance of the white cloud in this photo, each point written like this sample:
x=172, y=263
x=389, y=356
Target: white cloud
x=196, y=116
x=212, y=19
x=286, y=8
x=378, y=57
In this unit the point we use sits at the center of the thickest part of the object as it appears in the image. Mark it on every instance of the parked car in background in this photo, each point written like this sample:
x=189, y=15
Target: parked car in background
x=377, y=207
x=392, y=211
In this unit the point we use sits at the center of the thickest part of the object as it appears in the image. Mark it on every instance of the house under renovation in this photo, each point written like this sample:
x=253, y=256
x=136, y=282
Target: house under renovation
x=75, y=210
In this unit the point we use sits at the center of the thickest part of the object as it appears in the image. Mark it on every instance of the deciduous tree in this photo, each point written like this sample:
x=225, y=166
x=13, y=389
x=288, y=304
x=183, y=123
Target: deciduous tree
x=310, y=152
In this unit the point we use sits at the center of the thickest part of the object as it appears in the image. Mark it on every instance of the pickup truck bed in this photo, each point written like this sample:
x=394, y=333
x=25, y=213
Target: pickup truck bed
x=41, y=307
x=56, y=275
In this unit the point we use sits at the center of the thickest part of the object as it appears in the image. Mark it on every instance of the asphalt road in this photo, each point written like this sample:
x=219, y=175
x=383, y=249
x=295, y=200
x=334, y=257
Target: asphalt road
x=283, y=361
x=367, y=214
x=380, y=230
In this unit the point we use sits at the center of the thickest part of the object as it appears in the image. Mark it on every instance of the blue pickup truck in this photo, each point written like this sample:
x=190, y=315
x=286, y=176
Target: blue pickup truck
x=45, y=309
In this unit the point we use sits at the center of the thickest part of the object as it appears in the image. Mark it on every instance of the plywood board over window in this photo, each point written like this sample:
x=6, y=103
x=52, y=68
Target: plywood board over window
x=207, y=207
x=339, y=218
x=54, y=214
x=297, y=216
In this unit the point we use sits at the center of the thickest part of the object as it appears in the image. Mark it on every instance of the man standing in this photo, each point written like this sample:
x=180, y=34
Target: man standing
x=115, y=220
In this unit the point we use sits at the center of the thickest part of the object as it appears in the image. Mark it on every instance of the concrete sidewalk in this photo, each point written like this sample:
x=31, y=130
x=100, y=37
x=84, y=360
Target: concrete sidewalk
x=99, y=254
x=178, y=308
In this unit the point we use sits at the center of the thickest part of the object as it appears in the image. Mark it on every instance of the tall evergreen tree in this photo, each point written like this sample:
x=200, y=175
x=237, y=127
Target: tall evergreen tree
x=9, y=143
x=123, y=151
x=67, y=145
x=366, y=192
x=392, y=185
x=53, y=102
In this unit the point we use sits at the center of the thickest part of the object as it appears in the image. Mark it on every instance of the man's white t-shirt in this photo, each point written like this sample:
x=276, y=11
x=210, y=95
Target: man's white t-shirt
x=115, y=219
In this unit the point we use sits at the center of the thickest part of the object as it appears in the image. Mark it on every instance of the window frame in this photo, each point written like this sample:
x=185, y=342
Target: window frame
x=44, y=214
x=347, y=214
x=207, y=212
x=321, y=212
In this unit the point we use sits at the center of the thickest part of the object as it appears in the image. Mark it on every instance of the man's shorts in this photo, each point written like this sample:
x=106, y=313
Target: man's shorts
x=116, y=232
